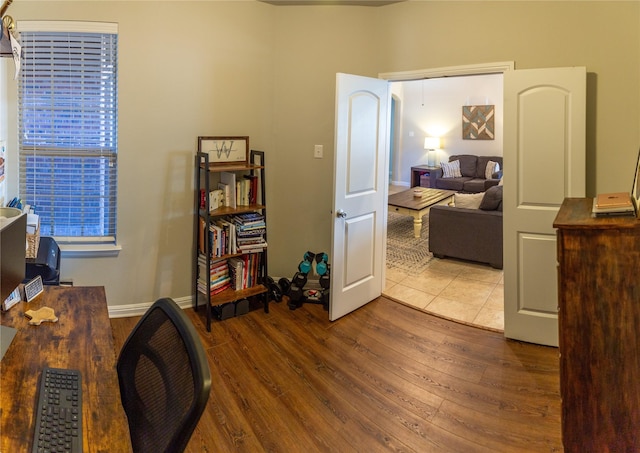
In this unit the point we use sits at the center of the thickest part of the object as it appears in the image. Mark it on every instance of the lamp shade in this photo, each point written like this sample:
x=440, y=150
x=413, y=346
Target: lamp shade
x=431, y=143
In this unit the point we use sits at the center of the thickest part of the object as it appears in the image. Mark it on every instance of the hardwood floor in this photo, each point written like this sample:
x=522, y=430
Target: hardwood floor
x=384, y=378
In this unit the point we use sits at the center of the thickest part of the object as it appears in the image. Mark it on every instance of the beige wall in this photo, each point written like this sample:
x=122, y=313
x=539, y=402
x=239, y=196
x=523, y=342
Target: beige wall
x=247, y=68
x=602, y=36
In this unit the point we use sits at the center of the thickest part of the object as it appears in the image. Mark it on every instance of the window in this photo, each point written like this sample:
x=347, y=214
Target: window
x=68, y=128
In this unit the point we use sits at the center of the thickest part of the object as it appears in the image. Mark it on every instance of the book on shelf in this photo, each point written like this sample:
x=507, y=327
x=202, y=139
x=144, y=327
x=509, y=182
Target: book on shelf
x=216, y=240
x=242, y=192
x=226, y=194
x=229, y=235
x=218, y=289
x=201, y=234
x=249, y=217
x=229, y=179
x=202, y=199
x=213, y=275
x=217, y=268
x=253, y=246
x=218, y=275
x=252, y=189
x=215, y=199
x=251, y=232
x=236, y=265
x=249, y=221
x=244, y=270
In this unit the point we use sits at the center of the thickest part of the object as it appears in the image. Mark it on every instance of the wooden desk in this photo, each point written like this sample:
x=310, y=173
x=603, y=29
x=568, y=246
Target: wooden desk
x=80, y=339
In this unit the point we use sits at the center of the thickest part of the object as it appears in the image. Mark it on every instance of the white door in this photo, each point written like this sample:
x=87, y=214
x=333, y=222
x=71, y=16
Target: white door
x=360, y=183
x=544, y=161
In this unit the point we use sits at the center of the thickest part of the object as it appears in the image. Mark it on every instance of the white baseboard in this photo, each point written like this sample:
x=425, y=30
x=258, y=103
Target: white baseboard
x=126, y=311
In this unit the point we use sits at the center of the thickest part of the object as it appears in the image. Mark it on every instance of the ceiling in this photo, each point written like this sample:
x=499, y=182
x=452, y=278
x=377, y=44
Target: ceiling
x=332, y=2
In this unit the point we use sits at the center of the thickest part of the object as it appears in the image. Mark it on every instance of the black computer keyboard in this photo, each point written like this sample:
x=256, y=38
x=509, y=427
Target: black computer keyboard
x=59, y=412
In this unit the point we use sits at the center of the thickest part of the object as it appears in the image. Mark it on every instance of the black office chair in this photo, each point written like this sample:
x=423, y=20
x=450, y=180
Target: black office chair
x=164, y=379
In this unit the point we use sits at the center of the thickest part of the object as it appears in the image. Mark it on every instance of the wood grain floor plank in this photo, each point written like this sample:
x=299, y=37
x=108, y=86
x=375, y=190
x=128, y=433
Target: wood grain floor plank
x=384, y=378
x=381, y=398
x=494, y=433
x=331, y=385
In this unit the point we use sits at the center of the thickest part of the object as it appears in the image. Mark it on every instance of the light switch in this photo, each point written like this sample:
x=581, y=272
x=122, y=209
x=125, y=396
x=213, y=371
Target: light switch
x=318, y=151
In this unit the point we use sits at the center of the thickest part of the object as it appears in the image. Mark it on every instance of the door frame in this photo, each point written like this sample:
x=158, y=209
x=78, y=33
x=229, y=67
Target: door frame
x=450, y=71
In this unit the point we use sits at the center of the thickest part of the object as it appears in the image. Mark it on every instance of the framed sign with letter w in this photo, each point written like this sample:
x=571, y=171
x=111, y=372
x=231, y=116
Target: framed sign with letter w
x=225, y=150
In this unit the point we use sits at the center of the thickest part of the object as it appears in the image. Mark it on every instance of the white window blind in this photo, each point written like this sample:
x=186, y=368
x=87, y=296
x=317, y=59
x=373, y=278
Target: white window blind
x=68, y=128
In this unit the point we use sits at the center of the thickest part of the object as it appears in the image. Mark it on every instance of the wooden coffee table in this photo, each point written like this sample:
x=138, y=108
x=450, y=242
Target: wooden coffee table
x=407, y=203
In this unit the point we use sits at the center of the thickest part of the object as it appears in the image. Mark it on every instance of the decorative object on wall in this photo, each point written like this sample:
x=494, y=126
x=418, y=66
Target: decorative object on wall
x=478, y=122
x=225, y=150
x=432, y=145
x=9, y=37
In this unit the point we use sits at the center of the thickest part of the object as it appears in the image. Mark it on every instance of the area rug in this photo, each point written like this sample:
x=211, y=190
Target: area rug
x=405, y=252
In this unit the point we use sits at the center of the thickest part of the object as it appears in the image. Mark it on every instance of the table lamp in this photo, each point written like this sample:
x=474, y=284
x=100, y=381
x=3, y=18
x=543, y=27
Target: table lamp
x=432, y=144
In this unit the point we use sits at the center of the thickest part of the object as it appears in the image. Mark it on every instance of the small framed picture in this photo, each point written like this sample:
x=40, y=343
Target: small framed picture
x=225, y=150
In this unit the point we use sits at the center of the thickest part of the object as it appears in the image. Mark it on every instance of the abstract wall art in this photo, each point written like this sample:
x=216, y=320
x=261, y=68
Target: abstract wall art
x=478, y=122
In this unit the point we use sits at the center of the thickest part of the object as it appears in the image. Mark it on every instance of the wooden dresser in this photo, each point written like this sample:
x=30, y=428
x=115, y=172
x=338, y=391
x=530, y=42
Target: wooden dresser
x=599, y=322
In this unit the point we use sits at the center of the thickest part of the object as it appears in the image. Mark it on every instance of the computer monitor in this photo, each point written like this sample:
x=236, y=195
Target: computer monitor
x=13, y=240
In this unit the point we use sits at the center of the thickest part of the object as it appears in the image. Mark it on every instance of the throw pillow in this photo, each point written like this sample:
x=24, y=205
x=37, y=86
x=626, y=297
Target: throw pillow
x=451, y=169
x=492, y=167
x=468, y=200
x=492, y=199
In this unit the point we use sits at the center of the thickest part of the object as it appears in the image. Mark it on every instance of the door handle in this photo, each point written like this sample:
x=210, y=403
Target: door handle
x=341, y=214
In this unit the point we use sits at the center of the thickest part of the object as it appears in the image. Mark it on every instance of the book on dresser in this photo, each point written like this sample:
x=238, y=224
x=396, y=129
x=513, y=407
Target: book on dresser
x=619, y=203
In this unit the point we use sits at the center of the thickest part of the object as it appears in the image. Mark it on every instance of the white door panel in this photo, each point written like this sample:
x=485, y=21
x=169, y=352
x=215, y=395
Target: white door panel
x=359, y=249
x=544, y=150
x=360, y=193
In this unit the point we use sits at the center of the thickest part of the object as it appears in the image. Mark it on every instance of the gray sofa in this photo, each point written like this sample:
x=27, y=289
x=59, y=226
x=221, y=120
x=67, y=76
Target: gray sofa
x=473, y=178
x=468, y=234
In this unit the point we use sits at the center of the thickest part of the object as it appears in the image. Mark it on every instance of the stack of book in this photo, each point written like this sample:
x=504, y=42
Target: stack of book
x=244, y=270
x=247, y=190
x=250, y=232
x=222, y=237
x=219, y=274
x=613, y=204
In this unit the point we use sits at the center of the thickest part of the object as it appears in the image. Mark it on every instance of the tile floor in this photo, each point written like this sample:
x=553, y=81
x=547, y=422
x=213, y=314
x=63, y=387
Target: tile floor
x=471, y=293
x=467, y=292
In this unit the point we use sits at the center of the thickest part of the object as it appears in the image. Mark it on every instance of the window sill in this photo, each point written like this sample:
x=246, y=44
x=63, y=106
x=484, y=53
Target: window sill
x=89, y=250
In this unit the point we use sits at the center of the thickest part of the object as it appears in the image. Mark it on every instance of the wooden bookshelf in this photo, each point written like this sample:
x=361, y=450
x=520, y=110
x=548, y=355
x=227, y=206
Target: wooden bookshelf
x=206, y=177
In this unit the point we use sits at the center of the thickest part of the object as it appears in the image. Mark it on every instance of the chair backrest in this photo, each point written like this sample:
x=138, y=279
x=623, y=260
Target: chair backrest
x=164, y=379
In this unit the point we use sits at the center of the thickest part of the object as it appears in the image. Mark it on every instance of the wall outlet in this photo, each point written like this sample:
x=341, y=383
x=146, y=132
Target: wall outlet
x=318, y=151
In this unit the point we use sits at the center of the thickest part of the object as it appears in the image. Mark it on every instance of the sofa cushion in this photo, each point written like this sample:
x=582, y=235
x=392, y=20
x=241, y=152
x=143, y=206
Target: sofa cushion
x=468, y=164
x=451, y=169
x=468, y=200
x=491, y=168
x=488, y=183
x=492, y=199
x=456, y=184
x=474, y=185
x=482, y=165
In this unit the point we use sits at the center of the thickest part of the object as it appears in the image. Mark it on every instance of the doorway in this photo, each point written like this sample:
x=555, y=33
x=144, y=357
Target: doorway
x=470, y=293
